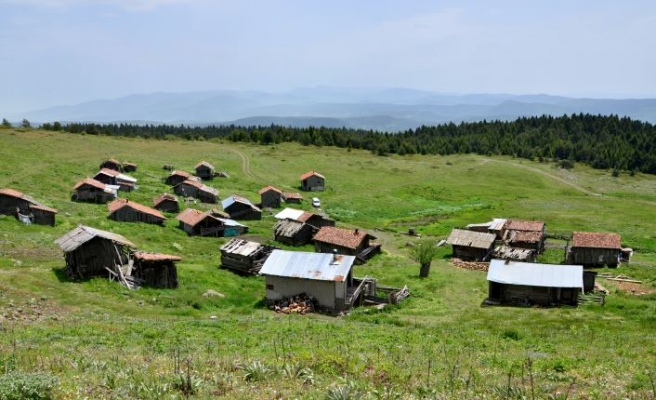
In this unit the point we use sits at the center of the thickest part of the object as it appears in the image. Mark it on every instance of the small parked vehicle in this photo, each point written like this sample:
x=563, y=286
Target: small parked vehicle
x=316, y=202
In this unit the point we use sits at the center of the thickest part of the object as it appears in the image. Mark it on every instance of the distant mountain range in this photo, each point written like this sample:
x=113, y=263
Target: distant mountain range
x=380, y=109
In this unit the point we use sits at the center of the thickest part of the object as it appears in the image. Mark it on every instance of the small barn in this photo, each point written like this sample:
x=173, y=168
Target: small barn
x=526, y=284
x=353, y=242
x=112, y=164
x=123, y=210
x=92, y=252
x=26, y=208
x=198, y=223
x=313, y=181
x=204, y=170
x=111, y=177
x=129, y=167
x=316, y=220
x=293, y=233
x=325, y=277
x=270, y=197
x=166, y=203
x=94, y=191
x=241, y=208
x=290, y=197
x=525, y=234
x=177, y=177
x=155, y=270
x=244, y=256
x=495, y=227
x=471, y=245
x=595, y=249
x=197, y=190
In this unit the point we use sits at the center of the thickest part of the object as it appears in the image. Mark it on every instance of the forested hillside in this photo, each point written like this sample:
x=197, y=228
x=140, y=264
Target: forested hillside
x=603, y=142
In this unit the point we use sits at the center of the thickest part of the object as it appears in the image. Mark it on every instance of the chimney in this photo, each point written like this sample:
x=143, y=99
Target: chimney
x=356, y=232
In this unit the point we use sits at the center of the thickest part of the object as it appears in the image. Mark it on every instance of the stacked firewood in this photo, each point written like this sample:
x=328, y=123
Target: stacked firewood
x=473, y=265
x=300, y=304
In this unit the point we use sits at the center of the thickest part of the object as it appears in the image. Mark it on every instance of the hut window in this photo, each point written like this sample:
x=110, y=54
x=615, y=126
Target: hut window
x=269, y=286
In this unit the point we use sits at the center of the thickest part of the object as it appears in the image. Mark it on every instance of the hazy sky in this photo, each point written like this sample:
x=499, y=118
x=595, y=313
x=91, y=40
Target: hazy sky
x=59, y=52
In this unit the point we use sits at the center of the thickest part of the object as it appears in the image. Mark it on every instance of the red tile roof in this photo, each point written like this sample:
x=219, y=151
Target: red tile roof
x=311, y=173
x=596, y=240
x=11, y=193
x=521, y=225
x=192, y=217
x=90, y=182
x=120, y=203
x=267, y=188
x=349, y=238
x=140, y=255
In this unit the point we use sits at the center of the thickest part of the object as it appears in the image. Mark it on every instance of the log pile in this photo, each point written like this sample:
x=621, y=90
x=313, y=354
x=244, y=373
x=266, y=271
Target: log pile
x=300, y=304
x=473, y=265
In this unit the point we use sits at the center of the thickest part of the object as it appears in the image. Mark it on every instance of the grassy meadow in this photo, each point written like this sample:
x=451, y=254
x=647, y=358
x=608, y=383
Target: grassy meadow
x=98, y=340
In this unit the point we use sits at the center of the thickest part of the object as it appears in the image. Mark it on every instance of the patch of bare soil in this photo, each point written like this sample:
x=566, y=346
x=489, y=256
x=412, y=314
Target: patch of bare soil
x=637, y=289
x=21, y=307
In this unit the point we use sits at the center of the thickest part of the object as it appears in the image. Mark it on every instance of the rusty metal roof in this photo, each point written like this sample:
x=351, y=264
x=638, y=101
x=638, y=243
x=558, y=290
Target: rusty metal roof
x=181, y=173
x=142, y=255
x=522, y=225
x=120, y=203
x=268, y=188
x=192, y=217
x=33, y=203
x=533, y=274
x=305, y=265
x=596, y=240
x=82, y=234
x=478, y=240
x=349, y=238
x=290, y=195
x=43, y=208
x=200, y=186
x=311, y=173
x=164, y=197
x=90, y=182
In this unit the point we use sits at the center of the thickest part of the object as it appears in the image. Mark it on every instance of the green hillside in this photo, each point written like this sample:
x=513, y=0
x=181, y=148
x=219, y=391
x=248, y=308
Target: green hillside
x=96, y=339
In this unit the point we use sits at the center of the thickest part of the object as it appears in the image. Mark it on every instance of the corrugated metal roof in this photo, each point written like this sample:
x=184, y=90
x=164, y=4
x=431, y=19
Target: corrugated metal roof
x=82, y=234
x=305, y=265
x=349, y=238
x=533, y=274
x=192, y=217
x=230, y=200
x=478, y=240
x=90, y=182
x=230, y=222
x=596, y=240
x=289, y=213
x=495, y=225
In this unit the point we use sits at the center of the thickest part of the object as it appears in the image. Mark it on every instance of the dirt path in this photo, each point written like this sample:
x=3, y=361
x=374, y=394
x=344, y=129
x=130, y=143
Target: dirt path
x=245, y=164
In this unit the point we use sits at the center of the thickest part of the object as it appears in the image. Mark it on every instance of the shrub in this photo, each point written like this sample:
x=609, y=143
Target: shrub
x=26, y=386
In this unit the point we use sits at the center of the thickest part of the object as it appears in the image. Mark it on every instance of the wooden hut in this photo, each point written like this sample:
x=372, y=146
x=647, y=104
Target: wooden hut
x=204, y=170
x=155, y=270
x=92, y=252
x=527, y=284
x=129, y=167
x=353, y=242
x=112, y=164
x=290, y=197
x=123, y=210
x=177, y=177
x=495, y=227
x=270, y=197
x=26, y=208
x=241, y=208
x=525, y=234
x=166, y=203
x=244, y=256
x=198, y=223
x=313, y=181
x=197, y=190
x=595, y=249
x=112, y=177
x=94, y=191
x=471, y=245
x=294, y=233
x=316, y=220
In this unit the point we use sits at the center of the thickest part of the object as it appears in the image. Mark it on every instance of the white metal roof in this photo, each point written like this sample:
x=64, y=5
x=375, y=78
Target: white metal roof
x=533, y=274
x=289, y=213
x=305, y=265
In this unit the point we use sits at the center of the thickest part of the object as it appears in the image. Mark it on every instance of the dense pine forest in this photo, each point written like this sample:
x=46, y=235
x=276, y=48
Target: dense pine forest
x=603, y=142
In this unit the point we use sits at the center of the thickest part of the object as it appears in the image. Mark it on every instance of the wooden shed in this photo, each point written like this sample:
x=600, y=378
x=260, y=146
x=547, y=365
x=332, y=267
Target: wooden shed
x=129, y=167
x=294, y=233
x=111, y=163
x=495, y=227
x=527, y=284
x=197, y=190
x=94, y=191
x=270, y=197
x=177, y=177
x=291, y=197
x=241, y=208
x=525, y=234
x=123, y=210
x=25, y=208
x=112, y=177
x=353, y=242
x=313, y=181
x=155, y=270
x=204, y=170
x=244, y=256
x=166, y=203
x=92, y=252
x=471, y=245
x=595, y=249
x=316, y=220
x=199, y=223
